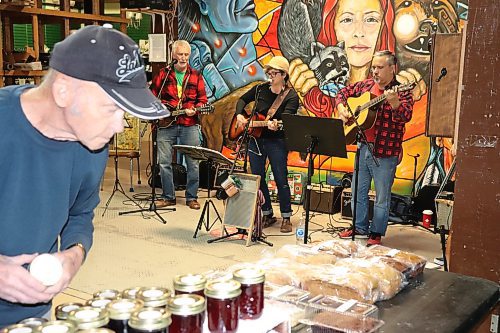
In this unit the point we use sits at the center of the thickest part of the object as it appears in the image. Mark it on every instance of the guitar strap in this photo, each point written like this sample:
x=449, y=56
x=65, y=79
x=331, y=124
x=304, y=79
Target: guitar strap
x=277, y=102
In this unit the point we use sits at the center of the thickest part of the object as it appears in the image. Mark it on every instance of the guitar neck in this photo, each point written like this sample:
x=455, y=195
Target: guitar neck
x=177, y=112
x=261, y=123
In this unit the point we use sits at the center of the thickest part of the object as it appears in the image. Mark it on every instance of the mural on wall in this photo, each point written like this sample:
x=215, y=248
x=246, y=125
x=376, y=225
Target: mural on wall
x=329, y=44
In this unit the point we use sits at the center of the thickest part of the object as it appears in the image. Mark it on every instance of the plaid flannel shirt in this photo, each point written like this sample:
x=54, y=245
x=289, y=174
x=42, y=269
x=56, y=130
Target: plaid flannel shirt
x=193, y=94
x=390, y=123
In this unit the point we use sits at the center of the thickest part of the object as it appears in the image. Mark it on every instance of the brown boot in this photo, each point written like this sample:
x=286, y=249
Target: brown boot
x=286, y=225
x=268, y=221
x=164, y=203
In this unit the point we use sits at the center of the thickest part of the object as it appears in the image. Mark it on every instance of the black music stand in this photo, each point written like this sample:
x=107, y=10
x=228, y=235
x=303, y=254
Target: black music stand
x=212, y=157
x=313, y=135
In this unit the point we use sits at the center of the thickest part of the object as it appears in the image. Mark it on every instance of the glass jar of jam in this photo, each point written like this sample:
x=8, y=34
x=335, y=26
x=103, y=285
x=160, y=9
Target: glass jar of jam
x=150, y=320
x=190, y=284
x=252, y=292
x=18, y=328
x=107, y=293
x=88, y=317
x=155, y=297
x=56, y=326
x=120, y=311
x=188, y=313
x=33, y=322
x=99, y=302
x=95, y=330
x=130, y=293
x=62, y=310
x=223, y=305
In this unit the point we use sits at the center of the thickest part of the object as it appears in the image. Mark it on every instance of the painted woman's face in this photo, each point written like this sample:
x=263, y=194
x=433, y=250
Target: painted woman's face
x=358, y=23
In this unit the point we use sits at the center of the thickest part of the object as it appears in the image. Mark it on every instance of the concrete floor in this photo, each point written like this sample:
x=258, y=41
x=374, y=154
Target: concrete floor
x=139, y=250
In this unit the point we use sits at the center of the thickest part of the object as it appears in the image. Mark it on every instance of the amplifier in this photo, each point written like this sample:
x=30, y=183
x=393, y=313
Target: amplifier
x=325, y=200
x=296, y=181
x=345, y=208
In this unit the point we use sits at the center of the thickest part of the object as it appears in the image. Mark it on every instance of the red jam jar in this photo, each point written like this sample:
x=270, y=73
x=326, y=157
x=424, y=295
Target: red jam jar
x=223, y=306
x=88, y=317
x=190, y=284
x=149, y=320
x=252, y=292
x=154, y=297
x=120, y=311
x=62, y=310
x=107, y=293
x=130, y=293
x=188, y=313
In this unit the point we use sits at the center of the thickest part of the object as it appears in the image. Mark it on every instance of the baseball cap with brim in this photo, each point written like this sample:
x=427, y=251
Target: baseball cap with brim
x=279, y=63
x=112, y=60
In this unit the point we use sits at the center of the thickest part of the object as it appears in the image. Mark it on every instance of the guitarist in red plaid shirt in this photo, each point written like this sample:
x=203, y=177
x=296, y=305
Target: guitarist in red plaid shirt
x=386, y=136
x=182, y=89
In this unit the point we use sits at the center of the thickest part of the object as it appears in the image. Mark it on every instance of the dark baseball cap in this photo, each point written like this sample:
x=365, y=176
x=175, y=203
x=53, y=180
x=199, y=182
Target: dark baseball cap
x=110, y=58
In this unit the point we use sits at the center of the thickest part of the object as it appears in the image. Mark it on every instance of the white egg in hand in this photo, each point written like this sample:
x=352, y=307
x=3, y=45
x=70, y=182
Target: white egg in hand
x=46, y=268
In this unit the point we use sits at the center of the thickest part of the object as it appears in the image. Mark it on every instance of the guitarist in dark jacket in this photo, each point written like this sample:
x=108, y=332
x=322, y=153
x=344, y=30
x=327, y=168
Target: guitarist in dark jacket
x=183, y=88
x=386, y=137
x=271, y=141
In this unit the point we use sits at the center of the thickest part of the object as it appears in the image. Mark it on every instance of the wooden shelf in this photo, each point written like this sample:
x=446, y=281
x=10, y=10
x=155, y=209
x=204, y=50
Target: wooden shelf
x=22, y=73
x=61, y=14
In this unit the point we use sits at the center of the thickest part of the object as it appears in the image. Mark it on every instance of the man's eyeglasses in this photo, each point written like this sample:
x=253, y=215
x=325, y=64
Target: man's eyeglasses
x=273, y=73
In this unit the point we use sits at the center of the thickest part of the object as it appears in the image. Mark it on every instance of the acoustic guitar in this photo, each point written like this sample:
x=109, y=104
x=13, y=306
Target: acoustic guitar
x=170, y=120
x=364, y=112
x=257, y=124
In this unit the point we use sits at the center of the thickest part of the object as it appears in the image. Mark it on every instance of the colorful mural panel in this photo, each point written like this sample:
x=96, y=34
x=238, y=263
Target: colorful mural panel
x=329, y=44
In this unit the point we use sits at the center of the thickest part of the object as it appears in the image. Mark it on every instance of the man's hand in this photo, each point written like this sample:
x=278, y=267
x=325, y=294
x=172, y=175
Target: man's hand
x=71, y=260
x=344, y=114
x=241, y=120
x=190, y=112
x=393, y=98
x=16, y=283
x=302, y=78
x=272, y=125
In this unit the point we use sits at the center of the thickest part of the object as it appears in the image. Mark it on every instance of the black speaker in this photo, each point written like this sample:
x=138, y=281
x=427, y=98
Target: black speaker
x=345, y=209
x=325, y=201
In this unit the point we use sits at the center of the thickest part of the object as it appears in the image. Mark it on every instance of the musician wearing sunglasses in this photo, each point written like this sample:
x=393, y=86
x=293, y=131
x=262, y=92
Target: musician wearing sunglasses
x=272, y=99
x=392, y=109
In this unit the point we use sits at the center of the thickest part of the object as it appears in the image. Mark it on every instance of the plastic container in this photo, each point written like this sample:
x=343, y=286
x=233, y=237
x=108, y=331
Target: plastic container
x=252, y=292
x=223, y=306
x=188, y=313
x=300, y=230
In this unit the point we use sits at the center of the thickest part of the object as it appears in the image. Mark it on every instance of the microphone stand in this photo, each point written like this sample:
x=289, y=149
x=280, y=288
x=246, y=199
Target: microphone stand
x=360, y=138
x=154, y=142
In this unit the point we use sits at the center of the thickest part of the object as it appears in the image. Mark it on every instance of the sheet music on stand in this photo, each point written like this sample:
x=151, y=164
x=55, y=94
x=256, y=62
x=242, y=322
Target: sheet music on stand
x=202, y=154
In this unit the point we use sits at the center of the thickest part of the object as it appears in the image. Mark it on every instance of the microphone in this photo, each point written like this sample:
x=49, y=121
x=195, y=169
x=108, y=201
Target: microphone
x=335, y=77
x=442, y=74
x=173, y=62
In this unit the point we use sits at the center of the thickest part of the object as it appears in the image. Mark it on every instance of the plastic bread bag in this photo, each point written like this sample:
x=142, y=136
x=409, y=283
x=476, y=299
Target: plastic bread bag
x=282, y=271
x=341, y=248
x=305, y=255
x=341, y=281
x=389, y=280
x=410, y=264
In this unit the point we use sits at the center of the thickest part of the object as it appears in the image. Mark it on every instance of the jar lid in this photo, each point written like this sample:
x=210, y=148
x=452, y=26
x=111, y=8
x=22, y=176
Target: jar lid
x=107, y=293
x=130, y=293
x=33, y=322
x=121, y=309
x=186, y=304
x=249, y=275
x=56, y=326
x=98, y=302
x=189, y=282
x=62, y=310
x=149, y=319
x=223, y=289
x=97, y=330
x=18, y=328
x=88, y=317
x=154, y=296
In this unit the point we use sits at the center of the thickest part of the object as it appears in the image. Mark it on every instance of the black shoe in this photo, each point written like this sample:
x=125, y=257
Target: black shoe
x=268, y=220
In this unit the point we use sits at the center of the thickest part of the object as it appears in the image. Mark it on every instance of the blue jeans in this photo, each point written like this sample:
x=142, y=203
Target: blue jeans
x=183, y=135
x=383, y=177
x=277, y=152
